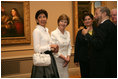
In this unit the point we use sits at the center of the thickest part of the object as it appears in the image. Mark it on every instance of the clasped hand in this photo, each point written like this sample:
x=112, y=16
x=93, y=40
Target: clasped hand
x=67, y=60
x=54, y=48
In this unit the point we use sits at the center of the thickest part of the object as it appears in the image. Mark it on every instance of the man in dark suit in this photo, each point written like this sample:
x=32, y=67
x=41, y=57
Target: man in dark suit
x=104, y=41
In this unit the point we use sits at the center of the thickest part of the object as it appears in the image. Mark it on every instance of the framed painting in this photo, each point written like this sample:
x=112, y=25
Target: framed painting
x=15, y=22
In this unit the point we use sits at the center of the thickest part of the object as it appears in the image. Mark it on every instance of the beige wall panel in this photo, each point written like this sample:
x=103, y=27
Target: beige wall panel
x=26, y=66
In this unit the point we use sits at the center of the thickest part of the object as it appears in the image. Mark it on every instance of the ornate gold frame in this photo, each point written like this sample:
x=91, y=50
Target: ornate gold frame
x=75, y=16
x=27, y=36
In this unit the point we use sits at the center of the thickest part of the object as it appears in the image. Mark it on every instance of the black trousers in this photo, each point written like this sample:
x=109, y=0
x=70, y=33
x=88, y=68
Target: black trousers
x=84, y=69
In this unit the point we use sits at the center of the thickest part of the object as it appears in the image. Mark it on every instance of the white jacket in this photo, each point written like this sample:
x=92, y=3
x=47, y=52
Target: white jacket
x=63, y=41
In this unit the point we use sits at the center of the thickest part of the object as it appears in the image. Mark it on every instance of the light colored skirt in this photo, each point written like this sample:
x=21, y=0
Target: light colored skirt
x=63, y=71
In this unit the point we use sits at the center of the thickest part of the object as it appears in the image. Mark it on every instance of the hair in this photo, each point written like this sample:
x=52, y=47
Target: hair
x=104, y=9
x=41, y=11
x=63, y=17
x=17, y=13
x=114, y=9
x=92, y=17
x=89, y=14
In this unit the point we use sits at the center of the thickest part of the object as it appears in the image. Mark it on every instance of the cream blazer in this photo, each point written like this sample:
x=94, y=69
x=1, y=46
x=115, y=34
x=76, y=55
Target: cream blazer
x=63, y=41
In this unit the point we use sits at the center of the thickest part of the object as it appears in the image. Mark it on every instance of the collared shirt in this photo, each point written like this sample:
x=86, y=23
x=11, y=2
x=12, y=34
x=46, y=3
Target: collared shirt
x=63, y=41
x=41, y=39
x=90, y=32
x=104, y=21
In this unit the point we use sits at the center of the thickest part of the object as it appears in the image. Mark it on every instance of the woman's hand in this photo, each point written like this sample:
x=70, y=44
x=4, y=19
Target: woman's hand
x=67, y=59
x=85, y=31
x=65, y=64
x=54, y=48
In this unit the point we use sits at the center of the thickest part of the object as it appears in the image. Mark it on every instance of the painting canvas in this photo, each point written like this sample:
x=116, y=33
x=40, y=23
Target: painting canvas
x=12, y=19
x=14, y=22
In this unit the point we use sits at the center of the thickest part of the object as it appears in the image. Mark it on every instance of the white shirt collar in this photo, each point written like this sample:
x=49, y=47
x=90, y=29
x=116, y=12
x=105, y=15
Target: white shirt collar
x=42, y=28
x=104, y=21
x=64, y=36
x=60, y=31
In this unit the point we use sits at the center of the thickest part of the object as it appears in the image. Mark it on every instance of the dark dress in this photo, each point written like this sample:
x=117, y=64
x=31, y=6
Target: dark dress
x=104, y=58
x=82, y=54
x=45, y=71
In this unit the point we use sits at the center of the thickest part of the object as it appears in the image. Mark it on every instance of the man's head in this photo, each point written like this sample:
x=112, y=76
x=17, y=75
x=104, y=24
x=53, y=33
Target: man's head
x=102, y=13
x=114, y=16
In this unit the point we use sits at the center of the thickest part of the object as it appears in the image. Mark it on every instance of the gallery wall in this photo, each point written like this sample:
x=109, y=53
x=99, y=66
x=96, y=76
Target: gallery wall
x=19, y=57
x=54, y=9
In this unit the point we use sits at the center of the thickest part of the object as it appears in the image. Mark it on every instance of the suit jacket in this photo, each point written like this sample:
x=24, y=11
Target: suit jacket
x=104, y=41
x=104, y=57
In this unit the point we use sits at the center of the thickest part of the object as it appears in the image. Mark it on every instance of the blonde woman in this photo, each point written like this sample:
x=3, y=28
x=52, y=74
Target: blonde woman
x=61, y=37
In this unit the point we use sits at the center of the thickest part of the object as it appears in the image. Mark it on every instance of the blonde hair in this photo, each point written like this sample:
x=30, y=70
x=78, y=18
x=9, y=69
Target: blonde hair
x=63, y=17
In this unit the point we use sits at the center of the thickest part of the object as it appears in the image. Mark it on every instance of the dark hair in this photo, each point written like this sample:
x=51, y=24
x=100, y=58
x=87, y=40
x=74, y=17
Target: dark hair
x=63, y=17
x=104, y=9
x=89, y=14
x=92, y=17
x=17, y=13
x=41, y=11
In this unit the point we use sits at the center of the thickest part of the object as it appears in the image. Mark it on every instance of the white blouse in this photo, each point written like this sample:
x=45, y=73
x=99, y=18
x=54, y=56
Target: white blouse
x=41, y=39
x=63, y=41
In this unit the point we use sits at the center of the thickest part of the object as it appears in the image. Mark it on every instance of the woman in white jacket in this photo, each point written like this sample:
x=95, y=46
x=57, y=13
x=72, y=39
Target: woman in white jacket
x=42, y=44
x=62, y=37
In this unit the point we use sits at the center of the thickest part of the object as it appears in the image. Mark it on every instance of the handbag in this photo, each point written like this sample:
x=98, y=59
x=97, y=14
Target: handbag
x=41, y=59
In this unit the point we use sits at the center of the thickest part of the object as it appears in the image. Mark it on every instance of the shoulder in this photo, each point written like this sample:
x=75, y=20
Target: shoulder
x=68, y=33
x=36, y=30
x=107, y=24
x=54, y=32
x=81, y=28
x=110, y=25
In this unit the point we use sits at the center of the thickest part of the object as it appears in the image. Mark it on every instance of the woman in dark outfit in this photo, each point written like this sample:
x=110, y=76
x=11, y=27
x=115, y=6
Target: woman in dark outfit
x=42, y=44
x=83, y=49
